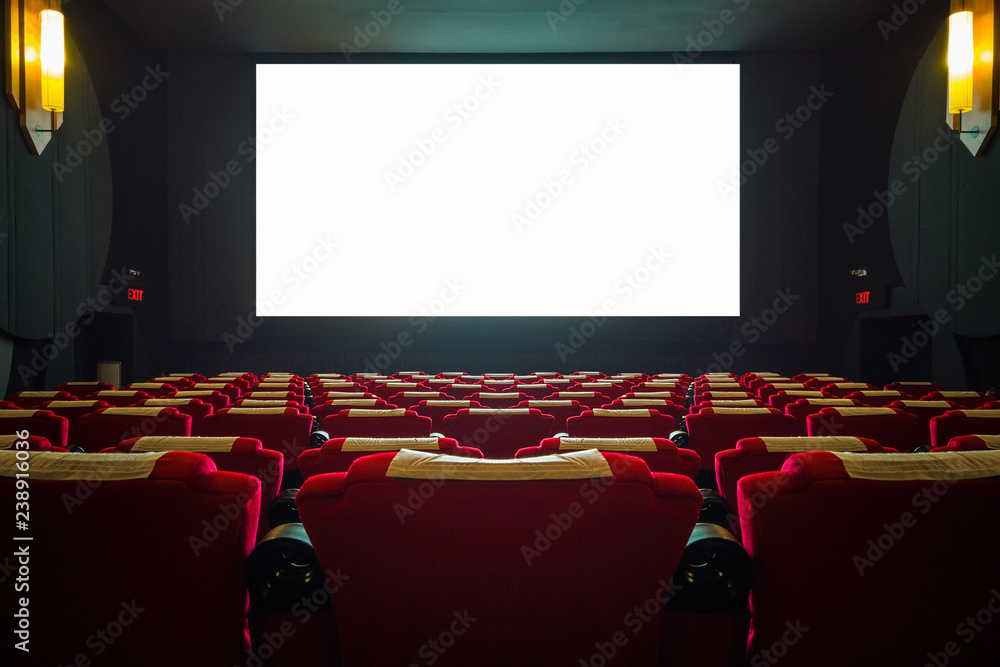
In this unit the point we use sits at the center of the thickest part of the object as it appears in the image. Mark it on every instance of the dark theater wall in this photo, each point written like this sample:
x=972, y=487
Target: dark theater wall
x=210, y=204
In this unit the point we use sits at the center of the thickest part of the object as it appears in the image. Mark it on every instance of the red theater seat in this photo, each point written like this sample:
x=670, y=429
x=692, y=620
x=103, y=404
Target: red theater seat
x=388, y=389
x=475, y=561
x=395, y=423
x=966, y=400
x=588, y=399
x=660, y=454
x=843, y=389
x=44, y=423
x=106, y=427
x=268, y=403
x=499, y=432
x=925, y=410
x=963, y=422
x=837, y=535
x=154, y=389
x=186, y=406
x=535, y=392
x=228, y=389
x=712, y=430
x=624, y=423
x=338, y=454
x=876, y=398
x=804, y=407
x=278, y=395
x=783, y=398
x=216, y=399
x=178, y=381
x=408, y=400
x=73, y=410
x=122, y=398
x=968, y=443
x=31, y=443
x=491, y=399
x=143, y=559
x=754, y=455
x=437, y=410
x=561, y=411
x=914, y=390
x=887, y=426
x=282, y=430
x=84, y=389
x=232, y=454
x=32, y=400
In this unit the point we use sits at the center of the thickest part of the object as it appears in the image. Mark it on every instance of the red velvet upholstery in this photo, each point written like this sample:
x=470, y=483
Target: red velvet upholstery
x=34, y=443
x=332, y=457
x=668, y=457
x=146, y=571
x=843, y=568
x=561, y=411
x=107, y=427
x=535, y=392
x=897, y=429
x=588, y=399
x=804, y=407
x=751, y=456
x=73, y=410
x=712, y=430
x=499, y=433
x=287, y=432
x=626, y=423
x=963, y=422
x=387, y=389
x=661, y=405
x=438, y=410
x=876, y=398
x=820, y=381
x=122, y=398
x=842, y=389
x=179, y=381
x=84, y=389
x=245, y=455
x=268, y=395
x=769, y=389
x=783, y=398
x=32, y=400
x=970, y=443
x=267, y=403
x=965, y=400
x=228, y=389
x=495, y=399
x=914, y=389
x=924, y=410
x=216, y=399
x=478, y=550
x=50, y=426
x=375, y=424
x=195, y=407
x=612, y=390
x=154, y=389
x=462, y=392
x=408, y=400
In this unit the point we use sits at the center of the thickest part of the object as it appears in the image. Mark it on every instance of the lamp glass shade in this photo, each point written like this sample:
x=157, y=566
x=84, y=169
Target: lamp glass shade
x=961, y=55
x=53, y=57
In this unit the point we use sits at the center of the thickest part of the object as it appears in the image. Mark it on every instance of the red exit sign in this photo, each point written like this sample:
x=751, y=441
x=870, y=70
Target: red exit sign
x=863, y=297
x=134, y=294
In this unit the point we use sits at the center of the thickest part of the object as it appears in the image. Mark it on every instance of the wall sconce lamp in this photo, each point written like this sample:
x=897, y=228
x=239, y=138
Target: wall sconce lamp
x=972, y=91
x=34, y=67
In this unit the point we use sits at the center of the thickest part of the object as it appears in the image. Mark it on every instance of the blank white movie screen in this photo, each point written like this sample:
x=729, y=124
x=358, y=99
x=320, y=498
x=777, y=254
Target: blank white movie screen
x=497, y=190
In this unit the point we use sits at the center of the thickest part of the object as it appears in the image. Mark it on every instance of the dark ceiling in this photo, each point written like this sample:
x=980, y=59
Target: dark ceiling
x=508, y=26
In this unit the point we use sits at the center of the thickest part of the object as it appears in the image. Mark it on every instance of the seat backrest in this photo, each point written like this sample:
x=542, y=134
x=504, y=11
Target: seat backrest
x=73, y=410
x=914, y=390
x=32, y=443
x=661, y=405
x=499, y=432
x=803, y=407
x=753, y=455
x=154, y=389
x=395, y=423
x=107, y=427
x=122, y=398
x=31, y=400
x=417, y=539
x=965, y=443
x=967, y=400
x=621, y=423
x=588, y=399
x=660, y=454
x=148, y=543
x=45, y=423
x=887, y=426
x=924, y=410
x=497, y=399
x=963, y=422
x=232, y=454
x=282, y=430
x=216, y=399
x=712, y=430
x=876, y=398
x=338, y=454
x=831, y=530
x=786, y=397
x=842, y=389
x=561, y=410
x=84, y=389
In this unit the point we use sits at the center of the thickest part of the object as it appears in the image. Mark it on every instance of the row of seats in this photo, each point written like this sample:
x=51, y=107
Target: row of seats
x=592, y=539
